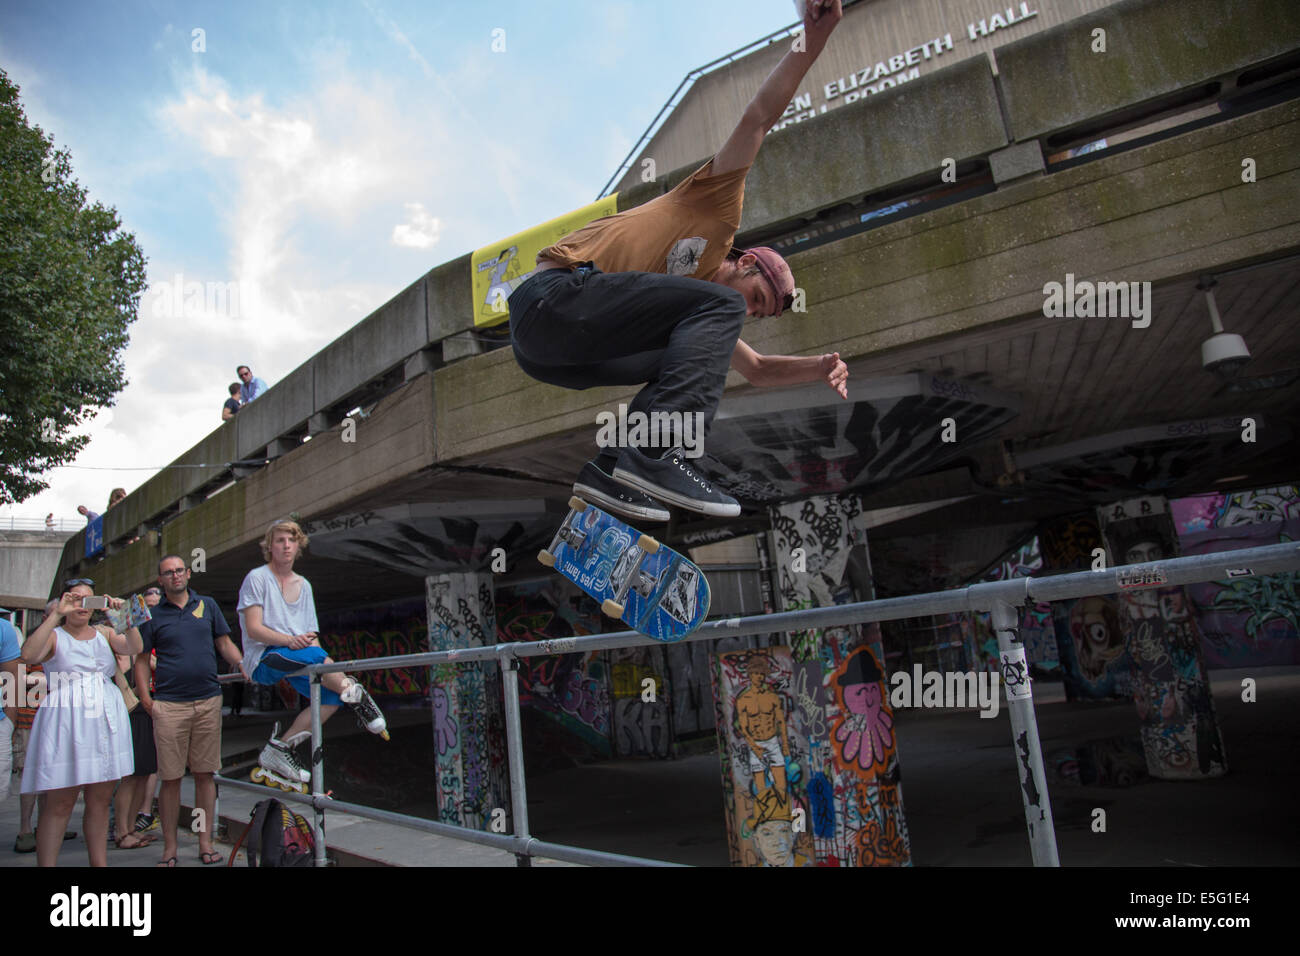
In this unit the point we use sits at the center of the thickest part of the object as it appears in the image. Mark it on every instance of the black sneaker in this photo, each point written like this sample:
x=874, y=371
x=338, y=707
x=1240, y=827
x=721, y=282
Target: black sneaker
x=675, y=481
x=601, y=490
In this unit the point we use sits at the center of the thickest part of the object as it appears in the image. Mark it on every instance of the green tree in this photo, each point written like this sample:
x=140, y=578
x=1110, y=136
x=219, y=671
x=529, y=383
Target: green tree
x=70, y=284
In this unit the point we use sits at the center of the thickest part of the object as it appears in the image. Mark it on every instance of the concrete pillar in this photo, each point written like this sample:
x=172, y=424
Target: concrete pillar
x=1094, y=663
x=468, y=717
x=1180, y=732
x=806, y=733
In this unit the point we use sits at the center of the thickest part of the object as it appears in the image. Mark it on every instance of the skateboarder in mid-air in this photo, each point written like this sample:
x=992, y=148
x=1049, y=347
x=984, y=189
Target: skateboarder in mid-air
x=657, y=294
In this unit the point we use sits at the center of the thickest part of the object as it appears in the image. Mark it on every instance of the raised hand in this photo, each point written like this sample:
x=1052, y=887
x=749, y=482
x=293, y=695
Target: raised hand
x=835, y=373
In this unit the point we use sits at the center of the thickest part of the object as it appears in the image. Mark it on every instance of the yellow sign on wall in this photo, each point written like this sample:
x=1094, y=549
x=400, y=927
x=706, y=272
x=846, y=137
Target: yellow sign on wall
x=499, y=269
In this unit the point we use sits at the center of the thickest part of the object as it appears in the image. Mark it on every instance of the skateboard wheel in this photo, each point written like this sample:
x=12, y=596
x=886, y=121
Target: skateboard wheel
x=648, y=544
x=577, y=504
x=546, y=558
x=611, y=608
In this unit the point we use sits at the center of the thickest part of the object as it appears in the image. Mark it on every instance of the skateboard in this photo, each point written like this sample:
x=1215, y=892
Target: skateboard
x=648, y=586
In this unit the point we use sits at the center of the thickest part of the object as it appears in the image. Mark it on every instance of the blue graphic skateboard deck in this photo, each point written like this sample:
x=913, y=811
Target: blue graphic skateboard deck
x=648, y=586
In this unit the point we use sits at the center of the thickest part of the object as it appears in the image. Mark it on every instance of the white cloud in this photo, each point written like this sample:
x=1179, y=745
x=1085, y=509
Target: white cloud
x=420, y=231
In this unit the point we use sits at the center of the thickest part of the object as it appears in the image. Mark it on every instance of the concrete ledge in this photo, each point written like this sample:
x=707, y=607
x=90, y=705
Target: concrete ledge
x=887, y=138
x=1053, y=80
x=284, y=407
x=382, y=340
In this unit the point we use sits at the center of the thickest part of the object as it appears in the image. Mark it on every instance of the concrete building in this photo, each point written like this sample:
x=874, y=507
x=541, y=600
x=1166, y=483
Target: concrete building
x=1020, y=251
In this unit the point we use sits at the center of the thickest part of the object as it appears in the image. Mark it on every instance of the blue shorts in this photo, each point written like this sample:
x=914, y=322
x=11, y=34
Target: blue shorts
x=276, y=662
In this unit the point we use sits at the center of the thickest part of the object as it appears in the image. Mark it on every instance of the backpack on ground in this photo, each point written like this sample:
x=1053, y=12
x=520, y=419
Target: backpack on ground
x=279, y=836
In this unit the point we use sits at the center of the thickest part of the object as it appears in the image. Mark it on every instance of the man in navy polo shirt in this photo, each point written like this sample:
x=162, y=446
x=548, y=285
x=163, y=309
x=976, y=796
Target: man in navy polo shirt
x=187, y=630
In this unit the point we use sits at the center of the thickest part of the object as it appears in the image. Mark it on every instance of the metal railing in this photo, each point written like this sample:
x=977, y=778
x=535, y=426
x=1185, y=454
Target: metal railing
x=1000, y=598
x=60, y=525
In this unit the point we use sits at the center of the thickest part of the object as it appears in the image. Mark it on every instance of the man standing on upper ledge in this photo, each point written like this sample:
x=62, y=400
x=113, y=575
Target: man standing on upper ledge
x=613, y=304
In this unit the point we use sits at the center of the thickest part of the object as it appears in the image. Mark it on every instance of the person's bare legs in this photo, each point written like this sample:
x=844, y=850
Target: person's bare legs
x=94, y=820
x=56, y=808
x=169, y=808
x=26, y=805
x=303, y=720
x=205, y=799
x=124, y=802
x=147, y=797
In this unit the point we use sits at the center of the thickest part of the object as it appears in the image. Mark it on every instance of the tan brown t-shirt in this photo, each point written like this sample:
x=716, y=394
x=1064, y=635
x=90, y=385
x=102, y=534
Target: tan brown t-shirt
x=685, y=232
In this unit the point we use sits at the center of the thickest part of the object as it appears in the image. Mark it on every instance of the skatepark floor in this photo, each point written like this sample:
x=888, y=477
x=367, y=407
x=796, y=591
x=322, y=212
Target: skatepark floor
x=960, y=793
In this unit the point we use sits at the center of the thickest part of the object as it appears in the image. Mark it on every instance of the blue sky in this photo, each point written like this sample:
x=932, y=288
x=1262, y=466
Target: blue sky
x=322, y=157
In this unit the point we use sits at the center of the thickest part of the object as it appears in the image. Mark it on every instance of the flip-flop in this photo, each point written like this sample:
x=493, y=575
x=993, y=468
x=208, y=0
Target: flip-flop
x=170, y=862
x=140, y=841
x=216, y=857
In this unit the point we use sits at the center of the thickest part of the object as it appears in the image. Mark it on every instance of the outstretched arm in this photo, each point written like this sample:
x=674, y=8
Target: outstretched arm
x=769, y=370
x=779, y=88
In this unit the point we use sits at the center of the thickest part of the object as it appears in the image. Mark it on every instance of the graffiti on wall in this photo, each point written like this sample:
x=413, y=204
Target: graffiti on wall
x=381, y=631
x=468, y=719
x=1180, y=733
x=642, y=702
x=571, y=690
x=1250, y=620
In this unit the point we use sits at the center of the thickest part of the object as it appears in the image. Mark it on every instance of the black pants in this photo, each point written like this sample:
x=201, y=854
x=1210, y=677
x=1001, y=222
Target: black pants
x=584, y=327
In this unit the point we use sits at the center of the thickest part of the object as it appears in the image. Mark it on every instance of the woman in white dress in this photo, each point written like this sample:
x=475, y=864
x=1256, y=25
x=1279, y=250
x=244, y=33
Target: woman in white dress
x=81, y=737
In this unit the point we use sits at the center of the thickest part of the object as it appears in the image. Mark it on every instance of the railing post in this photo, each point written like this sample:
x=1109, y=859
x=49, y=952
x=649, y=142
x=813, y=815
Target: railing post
x=317, y=769
x=1014, y=667
x=515, y=752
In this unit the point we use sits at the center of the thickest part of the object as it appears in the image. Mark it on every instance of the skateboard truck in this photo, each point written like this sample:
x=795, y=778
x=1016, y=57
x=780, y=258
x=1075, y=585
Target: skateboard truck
x=613, y=607
x=566, y=533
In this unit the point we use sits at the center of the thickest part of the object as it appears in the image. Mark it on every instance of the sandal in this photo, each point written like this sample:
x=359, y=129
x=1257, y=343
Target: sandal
x=133, y=841
x=215, y=857
x=171, y=861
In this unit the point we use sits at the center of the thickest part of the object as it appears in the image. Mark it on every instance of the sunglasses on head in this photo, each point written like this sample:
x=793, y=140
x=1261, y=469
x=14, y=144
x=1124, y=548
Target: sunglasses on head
x=69, y=585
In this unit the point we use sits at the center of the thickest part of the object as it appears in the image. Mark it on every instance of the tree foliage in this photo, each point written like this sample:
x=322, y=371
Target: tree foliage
x=70, y=284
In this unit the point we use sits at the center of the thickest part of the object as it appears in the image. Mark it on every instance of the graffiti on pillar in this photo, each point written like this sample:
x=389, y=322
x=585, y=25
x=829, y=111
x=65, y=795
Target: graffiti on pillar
x=1247, y=620
x=1180, y=733
x=871, y=830
x=762, y=759
x=385, y=630
x=468, y=719
x=1089, y=637
x=569, y=690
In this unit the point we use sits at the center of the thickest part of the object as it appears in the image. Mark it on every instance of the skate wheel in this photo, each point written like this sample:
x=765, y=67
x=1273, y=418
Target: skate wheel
x=546, y=558
x=384, y=734
x=256, y=775
x=611, y=608
x=577, y=504
x=647, y=544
